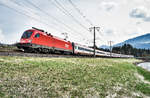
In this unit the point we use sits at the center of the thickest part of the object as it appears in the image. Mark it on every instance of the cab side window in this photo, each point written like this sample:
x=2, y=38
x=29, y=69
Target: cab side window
x=37, y=35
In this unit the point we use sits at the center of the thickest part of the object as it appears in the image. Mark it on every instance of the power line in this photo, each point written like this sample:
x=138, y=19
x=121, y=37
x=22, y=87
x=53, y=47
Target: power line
x=80, y=12
x=24, y=14
x=60, y=9
x=20, y=6
x=48, y=14
x=21, y=12
x=66, y=12
x=38, y=20
x=100, y=34
x=30, y=10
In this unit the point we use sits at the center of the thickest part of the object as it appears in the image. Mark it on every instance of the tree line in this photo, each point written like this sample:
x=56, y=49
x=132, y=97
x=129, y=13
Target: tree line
x=129, y=50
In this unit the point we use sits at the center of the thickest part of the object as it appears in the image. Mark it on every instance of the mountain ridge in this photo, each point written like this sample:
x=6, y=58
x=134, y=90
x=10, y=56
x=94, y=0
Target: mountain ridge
x=140, y=42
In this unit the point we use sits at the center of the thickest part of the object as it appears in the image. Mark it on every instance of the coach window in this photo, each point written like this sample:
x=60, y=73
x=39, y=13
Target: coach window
x=37, y=35
x=76, y=47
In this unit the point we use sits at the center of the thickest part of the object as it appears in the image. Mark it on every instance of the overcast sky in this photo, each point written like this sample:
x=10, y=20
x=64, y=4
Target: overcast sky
x=118, y=20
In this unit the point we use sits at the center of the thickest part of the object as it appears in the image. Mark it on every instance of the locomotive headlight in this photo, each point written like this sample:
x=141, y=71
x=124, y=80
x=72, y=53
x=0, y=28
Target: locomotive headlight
x=22, y=41
x=30, y=41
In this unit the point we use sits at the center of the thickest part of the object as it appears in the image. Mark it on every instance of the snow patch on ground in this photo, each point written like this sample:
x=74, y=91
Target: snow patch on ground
x=145, y=65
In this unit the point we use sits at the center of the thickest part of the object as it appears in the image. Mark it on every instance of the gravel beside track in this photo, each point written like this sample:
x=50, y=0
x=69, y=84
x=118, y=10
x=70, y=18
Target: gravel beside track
x=14, y=53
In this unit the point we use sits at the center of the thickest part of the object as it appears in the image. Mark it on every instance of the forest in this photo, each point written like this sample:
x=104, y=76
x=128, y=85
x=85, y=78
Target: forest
x=130, y=50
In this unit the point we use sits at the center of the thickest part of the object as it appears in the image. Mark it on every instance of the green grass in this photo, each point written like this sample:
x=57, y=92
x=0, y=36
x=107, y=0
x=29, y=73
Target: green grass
x=144, y=88
x=70, y=77
x=145, y=73
x=7, y=48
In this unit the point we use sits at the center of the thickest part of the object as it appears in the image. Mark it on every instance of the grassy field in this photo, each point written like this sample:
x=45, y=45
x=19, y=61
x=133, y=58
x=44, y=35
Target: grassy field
x=25, y=77
x=8, y=48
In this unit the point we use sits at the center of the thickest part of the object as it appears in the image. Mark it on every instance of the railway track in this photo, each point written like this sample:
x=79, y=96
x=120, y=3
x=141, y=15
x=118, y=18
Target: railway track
x=17, y=52
x=23, y=54
x=30, y=54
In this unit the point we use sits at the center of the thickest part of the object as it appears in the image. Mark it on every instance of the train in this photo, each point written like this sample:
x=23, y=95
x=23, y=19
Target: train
x=37, y=40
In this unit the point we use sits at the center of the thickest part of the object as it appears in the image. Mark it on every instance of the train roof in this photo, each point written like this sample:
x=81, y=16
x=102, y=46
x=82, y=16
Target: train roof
x=81, y=45
x=46, y=33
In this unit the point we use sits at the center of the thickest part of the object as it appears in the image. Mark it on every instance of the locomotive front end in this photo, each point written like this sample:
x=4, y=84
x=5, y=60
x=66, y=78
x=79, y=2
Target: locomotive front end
x=26, y=37
x=26, y=40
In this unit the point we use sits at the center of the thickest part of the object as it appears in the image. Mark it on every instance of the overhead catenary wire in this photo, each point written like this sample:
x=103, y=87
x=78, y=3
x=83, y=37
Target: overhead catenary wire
x=97, y=29
x=29, y=16
x=58, y=7
x=31, y=11
x=20, y=12
x=80, y=12
x=48, y=14
x=100, y=34
x=67, y=13
x=25, y=14
x=42, y=11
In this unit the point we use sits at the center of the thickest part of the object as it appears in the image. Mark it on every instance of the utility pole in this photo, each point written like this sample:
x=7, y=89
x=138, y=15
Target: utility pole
x=110, y=45
x=94, y=29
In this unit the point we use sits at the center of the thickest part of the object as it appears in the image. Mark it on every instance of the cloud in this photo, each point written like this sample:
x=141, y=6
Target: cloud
x=108, y=6
x=109, y=31
x=110, y=34
x=141, y=13
x=19, y=7
x=147, y=19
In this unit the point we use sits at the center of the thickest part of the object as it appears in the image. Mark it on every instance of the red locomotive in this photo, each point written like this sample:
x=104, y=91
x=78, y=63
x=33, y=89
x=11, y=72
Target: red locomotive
x=40, y=41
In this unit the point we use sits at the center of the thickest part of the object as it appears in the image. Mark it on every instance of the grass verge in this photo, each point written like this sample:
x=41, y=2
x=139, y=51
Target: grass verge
x=71, y=77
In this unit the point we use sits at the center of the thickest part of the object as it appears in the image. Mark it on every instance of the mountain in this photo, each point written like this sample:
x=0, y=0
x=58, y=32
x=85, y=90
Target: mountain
x=104, y=47
x=139, y=42
x=1, y=44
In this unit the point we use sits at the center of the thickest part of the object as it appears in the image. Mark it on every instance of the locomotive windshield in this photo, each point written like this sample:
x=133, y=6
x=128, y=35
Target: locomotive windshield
x=27, y=34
